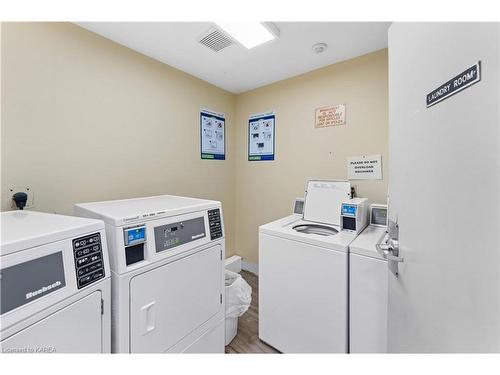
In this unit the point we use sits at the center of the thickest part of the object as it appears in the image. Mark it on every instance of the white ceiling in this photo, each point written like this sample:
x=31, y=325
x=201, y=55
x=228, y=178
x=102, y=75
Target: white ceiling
x=237, y=69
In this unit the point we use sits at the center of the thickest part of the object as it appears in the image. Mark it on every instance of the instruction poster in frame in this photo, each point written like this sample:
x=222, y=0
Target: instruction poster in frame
x=261, y=137
x=212, y=135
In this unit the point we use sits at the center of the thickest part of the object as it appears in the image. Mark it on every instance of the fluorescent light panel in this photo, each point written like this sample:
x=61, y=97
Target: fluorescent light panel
x=250, y=34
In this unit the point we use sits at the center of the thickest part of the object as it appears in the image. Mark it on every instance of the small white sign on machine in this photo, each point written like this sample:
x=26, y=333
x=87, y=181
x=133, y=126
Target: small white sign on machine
x=364, y=167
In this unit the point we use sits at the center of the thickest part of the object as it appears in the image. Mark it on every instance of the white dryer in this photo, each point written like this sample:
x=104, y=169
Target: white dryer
x=303, y=275
x=55, y=284
x=167, y=266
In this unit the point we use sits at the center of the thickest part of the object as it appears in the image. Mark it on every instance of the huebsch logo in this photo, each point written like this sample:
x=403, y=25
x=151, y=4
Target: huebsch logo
x=198, y=236
x=43, y=290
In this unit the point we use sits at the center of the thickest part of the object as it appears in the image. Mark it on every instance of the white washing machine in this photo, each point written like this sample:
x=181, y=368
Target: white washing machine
x=55, y=284
x=368, y=299
x=167, y=266
x=303, y=275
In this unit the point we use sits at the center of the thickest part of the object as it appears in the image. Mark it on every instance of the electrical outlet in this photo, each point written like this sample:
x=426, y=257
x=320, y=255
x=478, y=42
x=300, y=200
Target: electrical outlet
x=30, y=203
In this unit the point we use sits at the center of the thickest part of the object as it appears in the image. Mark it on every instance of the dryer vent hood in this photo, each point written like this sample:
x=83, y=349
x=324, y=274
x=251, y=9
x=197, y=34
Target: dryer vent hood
x=323, y=199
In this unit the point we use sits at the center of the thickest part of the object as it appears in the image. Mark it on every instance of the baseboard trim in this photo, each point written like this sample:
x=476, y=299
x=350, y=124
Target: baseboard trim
x=233, y=263
x=250, y=267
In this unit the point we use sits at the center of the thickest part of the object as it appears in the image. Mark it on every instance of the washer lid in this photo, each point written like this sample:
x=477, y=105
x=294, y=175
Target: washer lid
x=323, y=200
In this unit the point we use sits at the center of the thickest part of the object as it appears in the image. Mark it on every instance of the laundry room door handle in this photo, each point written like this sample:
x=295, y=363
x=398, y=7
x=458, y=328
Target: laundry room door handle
x=148, y=317
x=392, y=246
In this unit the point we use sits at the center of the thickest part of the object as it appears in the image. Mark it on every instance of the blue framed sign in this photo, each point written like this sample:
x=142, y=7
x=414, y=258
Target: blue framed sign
x=212, y=135
x=261, y=137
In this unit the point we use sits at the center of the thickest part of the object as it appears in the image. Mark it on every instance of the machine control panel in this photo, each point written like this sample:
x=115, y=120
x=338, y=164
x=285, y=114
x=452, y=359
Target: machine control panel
x=215, y=224
x=89, y=263
x=175, y=234
x=354, y=215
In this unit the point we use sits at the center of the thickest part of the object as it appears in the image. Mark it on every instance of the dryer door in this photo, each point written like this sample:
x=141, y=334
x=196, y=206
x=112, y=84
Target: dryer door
x=76, y=328
x=169, y=302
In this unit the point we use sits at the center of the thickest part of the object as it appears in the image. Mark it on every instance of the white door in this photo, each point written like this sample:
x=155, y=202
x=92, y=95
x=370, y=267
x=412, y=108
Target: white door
x=76, y=328
x=444, y=189
x=169, y=302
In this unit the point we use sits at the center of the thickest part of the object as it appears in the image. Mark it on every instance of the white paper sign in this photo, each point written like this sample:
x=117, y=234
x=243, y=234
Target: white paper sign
x=331, y=115
x=365, y=167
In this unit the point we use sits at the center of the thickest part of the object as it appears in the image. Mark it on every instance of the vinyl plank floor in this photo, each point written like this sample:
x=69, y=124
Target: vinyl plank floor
x=247, y=338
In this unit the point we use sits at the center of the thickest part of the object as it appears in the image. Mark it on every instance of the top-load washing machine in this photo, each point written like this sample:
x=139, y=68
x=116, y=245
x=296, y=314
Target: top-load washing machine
x=303, y=275
x=167, y=267
x=55, y=284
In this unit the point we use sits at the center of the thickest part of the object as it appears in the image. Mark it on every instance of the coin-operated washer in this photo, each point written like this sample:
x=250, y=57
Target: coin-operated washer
x=368, y=283
x=55, y=284
x=167, y=263
x=303, y=275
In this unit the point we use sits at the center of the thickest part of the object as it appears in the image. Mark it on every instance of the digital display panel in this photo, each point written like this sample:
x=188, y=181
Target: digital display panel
x=349, y=209
x=379, y=216
x=134, y=235
x=299, y=207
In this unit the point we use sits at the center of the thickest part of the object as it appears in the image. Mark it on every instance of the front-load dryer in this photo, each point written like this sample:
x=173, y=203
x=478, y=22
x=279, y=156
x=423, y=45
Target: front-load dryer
x=55, y=284
x=167, y=266
x=303, y=275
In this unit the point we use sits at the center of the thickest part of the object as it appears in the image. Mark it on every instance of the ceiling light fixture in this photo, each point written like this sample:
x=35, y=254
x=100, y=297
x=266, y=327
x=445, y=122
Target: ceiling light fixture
x=250, y=34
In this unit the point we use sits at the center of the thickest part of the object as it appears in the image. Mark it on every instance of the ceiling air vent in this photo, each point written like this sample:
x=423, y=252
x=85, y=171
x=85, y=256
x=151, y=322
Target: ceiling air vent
x=215, y=39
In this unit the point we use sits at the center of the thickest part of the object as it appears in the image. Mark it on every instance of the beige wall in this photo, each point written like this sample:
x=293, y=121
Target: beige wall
x=265, y=190
x=86, y=119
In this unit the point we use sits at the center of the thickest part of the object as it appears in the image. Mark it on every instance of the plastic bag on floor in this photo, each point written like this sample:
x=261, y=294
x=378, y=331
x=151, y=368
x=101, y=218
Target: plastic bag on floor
x=238, y=295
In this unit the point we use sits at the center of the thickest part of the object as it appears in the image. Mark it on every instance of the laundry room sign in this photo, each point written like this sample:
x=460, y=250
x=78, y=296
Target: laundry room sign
x=465, y=79
x=330, y=116
x=364, y=167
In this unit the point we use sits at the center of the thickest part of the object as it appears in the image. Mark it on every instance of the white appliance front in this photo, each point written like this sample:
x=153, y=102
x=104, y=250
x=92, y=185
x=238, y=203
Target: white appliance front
x=56, y=296
x=163, y=307
x=302, y=296
x=169, y=295
x=76, y=328
x=367, y=304
x=368, y=293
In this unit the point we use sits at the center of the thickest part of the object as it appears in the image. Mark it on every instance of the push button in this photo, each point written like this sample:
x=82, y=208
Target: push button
x=82, y=261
